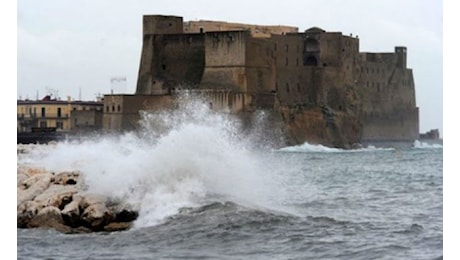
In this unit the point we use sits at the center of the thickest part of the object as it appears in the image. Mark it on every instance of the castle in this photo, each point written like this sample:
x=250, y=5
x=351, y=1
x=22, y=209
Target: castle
x=316, y=85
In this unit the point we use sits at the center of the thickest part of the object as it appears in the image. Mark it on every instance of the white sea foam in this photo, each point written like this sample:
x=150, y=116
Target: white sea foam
x=181, y=158
x=317, y=148
x=313, y=148
x=422, y=145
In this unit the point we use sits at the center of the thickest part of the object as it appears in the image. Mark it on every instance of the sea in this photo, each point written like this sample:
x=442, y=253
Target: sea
x=208, y=190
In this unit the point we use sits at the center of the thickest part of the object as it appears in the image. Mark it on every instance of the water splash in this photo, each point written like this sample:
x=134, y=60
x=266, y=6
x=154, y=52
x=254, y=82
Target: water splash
x=422, y=145
x=180, y=158
x=317, y=148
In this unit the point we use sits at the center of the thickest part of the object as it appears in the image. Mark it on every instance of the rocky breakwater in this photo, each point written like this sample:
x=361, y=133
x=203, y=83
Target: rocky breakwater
x=60, y=201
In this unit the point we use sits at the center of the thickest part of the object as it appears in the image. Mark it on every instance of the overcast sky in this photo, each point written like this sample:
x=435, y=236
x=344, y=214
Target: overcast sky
x=74, y=48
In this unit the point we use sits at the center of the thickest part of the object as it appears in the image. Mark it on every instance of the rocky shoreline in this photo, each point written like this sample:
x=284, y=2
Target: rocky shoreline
x=59, y=200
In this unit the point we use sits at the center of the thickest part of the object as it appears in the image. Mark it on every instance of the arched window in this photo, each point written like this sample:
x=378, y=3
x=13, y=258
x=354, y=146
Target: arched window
x=311, y=45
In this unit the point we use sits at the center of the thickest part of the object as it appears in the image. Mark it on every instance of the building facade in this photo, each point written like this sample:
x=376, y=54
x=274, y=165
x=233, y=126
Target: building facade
x=63, y=116
x=317, y=85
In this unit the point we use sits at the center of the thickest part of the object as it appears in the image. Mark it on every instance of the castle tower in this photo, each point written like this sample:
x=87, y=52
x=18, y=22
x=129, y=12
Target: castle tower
x=161, y=24
x=154, y=25
x=401, y=53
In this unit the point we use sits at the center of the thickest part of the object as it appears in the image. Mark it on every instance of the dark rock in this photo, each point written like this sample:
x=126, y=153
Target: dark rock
x=118, y=226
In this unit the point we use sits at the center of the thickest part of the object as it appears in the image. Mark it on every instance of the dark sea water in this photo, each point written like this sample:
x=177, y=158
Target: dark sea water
x=206, y=194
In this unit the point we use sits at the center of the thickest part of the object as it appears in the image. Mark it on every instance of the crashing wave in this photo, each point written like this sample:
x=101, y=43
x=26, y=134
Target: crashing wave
x=317, y=148
x=422, y=145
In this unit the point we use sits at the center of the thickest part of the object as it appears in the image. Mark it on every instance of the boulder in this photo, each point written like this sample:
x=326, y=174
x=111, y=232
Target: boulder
x=33, y=186
x=26, y=211
x=96, y=216
x=56, y=196
x=125, y=212
x=49, y=217
x=71, y=212
x=67, y=178
x=59, y=201
x=90, y=199
x=118, y=226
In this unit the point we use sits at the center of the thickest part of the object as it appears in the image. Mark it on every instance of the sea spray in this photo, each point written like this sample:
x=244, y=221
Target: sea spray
x=423, y=145
x=184, y=157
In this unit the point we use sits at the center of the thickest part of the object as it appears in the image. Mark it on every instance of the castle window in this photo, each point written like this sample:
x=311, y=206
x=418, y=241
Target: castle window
x=311, y=45
x=119, y=108
x=201, y=30
x=113, y=108
x=311, y=60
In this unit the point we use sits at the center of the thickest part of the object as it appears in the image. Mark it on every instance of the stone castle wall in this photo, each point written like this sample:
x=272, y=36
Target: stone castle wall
x=319, y=83
x=203, y=26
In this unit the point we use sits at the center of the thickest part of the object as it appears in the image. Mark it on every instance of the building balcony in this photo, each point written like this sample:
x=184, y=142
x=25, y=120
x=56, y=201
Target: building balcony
x=47, y=116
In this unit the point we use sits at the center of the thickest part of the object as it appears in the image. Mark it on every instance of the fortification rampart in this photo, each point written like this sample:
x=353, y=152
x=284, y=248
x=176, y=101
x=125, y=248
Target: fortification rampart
x=263, y=31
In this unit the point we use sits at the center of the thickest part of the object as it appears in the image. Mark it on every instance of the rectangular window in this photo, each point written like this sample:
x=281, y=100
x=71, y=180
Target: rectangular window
x=43, y=112
x=59, y=125
x=59, y=112
x=43, y=124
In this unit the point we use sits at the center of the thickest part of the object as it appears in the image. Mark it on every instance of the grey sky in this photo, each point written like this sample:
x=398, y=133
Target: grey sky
x=75, y=47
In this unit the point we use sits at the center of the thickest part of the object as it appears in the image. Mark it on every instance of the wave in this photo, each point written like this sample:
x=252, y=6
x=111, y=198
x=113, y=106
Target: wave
x=317, y=148
x=179, y=159
x=422, y=145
